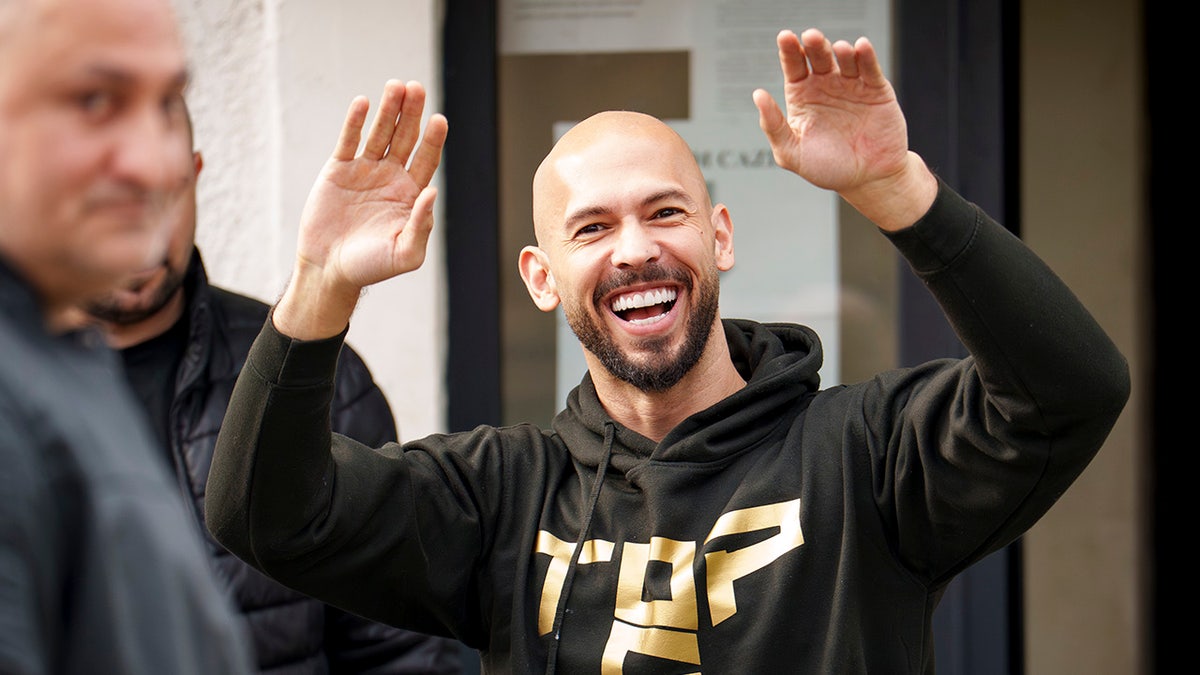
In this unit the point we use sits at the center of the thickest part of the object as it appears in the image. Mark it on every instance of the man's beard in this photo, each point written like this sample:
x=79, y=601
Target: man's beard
x=654, y=376
x=107, y=308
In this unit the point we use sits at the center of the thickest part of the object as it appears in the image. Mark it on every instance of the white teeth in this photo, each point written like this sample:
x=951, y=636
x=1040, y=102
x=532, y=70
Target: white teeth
x=657, y=296
x=648, y=320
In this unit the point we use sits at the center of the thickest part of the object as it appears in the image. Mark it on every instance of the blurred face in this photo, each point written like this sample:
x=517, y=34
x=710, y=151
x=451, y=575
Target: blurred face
x=631, y=247
x=93, y=140
x=150, y=291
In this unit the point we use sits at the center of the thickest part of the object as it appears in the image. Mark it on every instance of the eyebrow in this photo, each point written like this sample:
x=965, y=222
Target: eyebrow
x=121, y=76
x=593, y=211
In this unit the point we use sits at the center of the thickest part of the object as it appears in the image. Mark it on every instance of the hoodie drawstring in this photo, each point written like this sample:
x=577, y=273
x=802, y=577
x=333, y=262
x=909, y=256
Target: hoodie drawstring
x=561, y=610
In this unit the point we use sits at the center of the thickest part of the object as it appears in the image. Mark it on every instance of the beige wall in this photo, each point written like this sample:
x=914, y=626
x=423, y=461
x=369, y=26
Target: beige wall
x=1082, y=196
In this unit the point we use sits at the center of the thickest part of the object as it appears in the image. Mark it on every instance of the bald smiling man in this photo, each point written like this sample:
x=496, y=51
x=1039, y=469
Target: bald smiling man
x=701, y=504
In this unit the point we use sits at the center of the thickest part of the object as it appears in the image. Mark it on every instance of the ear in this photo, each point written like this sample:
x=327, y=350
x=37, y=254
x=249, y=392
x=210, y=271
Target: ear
x=539, y=280
x=198, y=161
x=723, y=231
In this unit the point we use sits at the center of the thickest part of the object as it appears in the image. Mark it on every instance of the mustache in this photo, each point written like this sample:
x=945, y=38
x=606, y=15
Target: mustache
x=124, y=194
x=649, y=273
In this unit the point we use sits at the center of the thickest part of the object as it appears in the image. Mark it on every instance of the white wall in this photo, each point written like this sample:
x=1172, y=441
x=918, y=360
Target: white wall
x=271, y=82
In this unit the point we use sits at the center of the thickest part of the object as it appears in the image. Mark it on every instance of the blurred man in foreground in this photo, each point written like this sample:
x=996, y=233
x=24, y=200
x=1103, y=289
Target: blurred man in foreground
x=101, y=569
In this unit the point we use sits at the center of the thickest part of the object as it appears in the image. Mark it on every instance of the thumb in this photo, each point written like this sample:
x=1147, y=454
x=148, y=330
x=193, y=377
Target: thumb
x=415, y=235
x=773, y=123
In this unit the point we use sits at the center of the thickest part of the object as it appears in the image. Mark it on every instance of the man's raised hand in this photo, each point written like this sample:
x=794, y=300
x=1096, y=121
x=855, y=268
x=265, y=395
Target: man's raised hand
x=369, y=214
x=844, y=130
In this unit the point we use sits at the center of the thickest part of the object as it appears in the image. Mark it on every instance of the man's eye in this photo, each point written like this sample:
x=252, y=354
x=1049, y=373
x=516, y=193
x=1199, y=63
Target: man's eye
x=96, y=103
x=174, y=107
x=591, y=228
x=667, y=212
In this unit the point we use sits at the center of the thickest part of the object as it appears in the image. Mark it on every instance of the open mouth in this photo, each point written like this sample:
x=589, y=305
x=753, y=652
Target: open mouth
x=644, y=307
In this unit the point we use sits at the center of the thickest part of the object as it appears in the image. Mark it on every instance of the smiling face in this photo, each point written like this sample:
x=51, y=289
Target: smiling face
x=92, y=140
x=631, y=247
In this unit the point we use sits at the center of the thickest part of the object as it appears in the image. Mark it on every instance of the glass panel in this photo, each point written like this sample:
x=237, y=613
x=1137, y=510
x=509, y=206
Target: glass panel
x=800, y=256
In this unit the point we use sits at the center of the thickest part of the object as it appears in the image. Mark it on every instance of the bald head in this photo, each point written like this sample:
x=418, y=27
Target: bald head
x=614, y=124
x=608, y=147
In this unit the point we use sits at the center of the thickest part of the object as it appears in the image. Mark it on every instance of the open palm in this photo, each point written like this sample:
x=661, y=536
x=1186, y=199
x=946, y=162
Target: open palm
x=844, y=127
x=369, y=214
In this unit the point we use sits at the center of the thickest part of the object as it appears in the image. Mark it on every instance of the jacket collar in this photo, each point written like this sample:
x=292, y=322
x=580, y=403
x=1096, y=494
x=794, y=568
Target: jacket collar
x=200, y=324
x=21, y=305
x=17, y=297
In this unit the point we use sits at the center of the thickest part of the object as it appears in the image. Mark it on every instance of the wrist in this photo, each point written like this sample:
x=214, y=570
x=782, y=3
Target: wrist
x=312, y=308
x=899, y=200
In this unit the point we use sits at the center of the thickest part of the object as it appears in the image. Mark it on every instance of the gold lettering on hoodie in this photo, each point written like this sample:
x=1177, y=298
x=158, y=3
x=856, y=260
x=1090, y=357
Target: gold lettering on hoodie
x=594, y=550
x=667, y=644
x=639, y=623
x=726, y=567
x=667, y=628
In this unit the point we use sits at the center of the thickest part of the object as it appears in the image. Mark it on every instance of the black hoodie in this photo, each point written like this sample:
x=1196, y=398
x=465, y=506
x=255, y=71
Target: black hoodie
x=784, y=529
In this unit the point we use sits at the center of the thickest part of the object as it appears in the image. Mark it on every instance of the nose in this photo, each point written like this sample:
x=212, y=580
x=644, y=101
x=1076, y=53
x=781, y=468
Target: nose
x=635, y=245
x=151, y=150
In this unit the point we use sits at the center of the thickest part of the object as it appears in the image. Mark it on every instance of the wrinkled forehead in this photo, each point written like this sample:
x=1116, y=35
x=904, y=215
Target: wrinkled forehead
x=611, y=155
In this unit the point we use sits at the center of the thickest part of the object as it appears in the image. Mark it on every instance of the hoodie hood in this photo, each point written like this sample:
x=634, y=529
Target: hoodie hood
x=780, y=363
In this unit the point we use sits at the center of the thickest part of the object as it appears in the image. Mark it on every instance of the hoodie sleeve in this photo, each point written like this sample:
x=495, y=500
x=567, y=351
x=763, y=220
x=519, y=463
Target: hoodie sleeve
x=355, y=644
x=360, y=409
x=321, y=512
x=966, y=455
